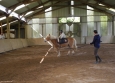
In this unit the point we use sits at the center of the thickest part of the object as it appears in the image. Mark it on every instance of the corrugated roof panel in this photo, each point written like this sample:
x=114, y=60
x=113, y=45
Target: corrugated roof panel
x=99, y=14
x=61, y=12
x=8, y=3
x=112, y=2
x=33, y=5
x=39, y=16
x=22, y=10
x=44, y=1
x=80, y=12
x=48, y=4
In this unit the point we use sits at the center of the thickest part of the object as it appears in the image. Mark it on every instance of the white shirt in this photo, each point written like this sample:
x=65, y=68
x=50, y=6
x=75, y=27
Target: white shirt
x=62, y=35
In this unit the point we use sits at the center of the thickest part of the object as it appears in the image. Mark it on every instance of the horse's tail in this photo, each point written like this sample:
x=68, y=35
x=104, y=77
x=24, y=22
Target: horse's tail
x=75, y=43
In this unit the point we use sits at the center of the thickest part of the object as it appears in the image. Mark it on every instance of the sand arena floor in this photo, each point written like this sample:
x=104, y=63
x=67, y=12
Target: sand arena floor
x=23, y=65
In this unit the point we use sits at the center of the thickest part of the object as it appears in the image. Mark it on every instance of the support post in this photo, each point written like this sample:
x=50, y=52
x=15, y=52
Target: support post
x=18, y=28
x=8, y=27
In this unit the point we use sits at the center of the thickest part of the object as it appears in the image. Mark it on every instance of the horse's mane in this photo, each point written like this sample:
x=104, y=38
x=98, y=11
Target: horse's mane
x=52, y=37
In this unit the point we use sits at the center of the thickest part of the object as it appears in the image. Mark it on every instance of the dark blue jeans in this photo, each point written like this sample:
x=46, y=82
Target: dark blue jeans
x=62, y=40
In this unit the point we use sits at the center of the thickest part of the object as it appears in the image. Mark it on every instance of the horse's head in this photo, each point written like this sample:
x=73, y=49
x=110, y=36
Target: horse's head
x=49, y=37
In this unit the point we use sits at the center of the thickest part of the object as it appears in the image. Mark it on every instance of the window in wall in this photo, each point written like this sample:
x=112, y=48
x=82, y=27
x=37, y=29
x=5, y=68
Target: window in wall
x=90, y=26
x=35, y=28
x=89, y=12
x=77, y=29
x=62, y=20
x=49, y=20
x=103, y=18
x=103, y=28
x=103, y=25
x=69, y=19
x=48, y=14
x=90, y=18
x=77, y=19
x=48, y=27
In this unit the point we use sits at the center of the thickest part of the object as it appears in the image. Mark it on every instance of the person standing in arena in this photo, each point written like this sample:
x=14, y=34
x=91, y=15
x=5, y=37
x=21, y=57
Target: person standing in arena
x=96, y=41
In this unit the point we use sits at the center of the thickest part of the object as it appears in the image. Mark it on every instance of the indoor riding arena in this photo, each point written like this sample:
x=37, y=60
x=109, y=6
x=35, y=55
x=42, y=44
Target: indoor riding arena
x=28, y=56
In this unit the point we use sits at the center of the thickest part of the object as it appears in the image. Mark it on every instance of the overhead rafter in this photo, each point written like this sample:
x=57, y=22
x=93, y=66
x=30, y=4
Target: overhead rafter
x=58, y=4
x=15, y=5
x=42, y=11
x=92, y=5
x=34, y=8
x=106, y=4
x=29, y=1
x=86, y=8
x=63, y=6
x=43, y=3
x=53, y=9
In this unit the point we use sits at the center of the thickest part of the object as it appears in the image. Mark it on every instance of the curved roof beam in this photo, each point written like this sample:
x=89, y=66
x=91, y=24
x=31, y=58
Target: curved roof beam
x=9, y=12
x=93, y=6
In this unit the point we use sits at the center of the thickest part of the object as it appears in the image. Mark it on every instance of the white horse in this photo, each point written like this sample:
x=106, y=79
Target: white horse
x=71, y=44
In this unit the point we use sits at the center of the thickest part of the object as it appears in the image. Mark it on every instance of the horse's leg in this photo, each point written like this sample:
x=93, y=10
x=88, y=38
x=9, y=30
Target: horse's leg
x=73, y=52
x=58, y=54
x=68, y=52
x=74, y=46
x=58, y=51
x=55, y=49
x=69, y=48
x=73, y=49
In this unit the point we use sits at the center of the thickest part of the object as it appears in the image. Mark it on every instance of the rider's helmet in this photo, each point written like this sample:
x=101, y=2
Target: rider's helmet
x=61, y=31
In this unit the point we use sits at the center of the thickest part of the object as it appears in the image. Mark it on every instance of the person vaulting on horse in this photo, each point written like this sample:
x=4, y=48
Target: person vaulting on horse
x=62, y=38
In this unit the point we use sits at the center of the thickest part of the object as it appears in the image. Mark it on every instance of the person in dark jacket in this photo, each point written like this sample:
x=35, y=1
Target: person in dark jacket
x=96, y=41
